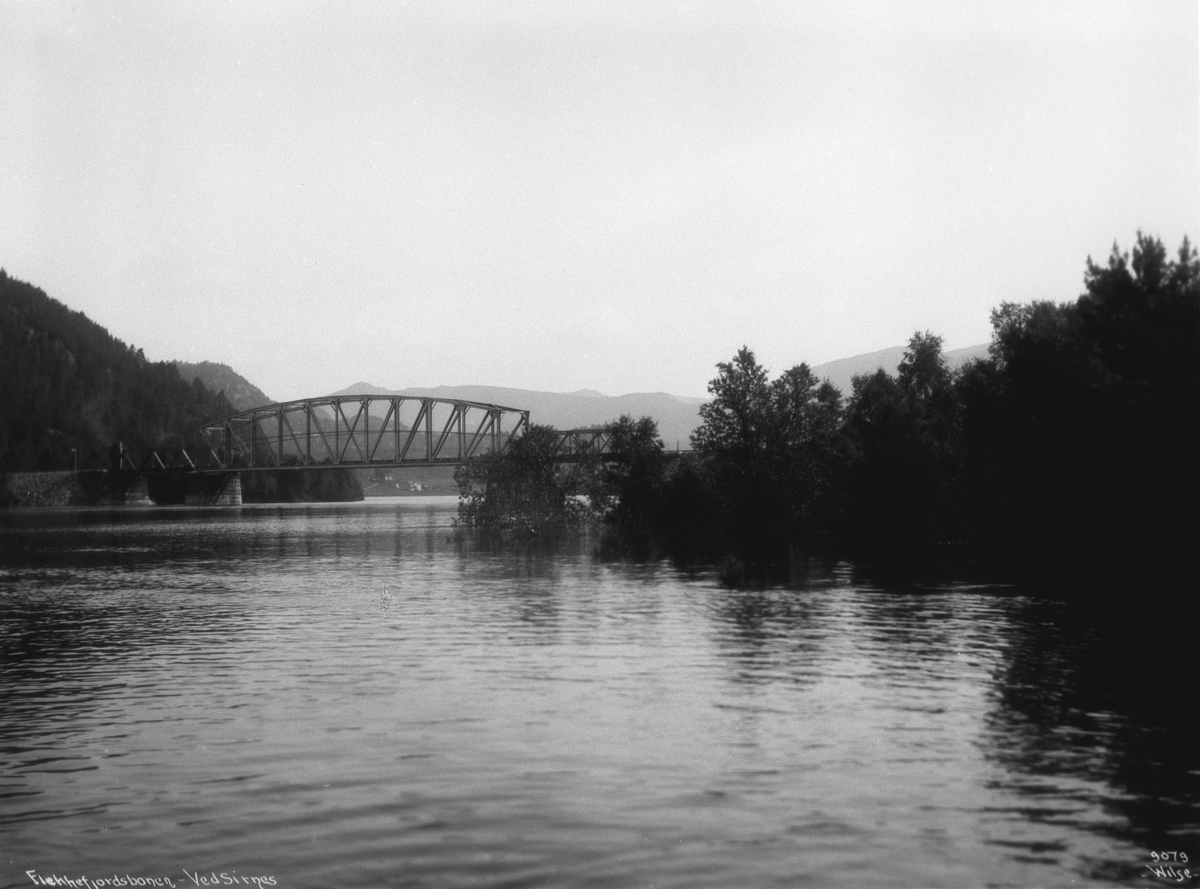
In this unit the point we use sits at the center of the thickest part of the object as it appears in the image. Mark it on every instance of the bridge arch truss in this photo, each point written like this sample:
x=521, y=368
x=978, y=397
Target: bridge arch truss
x=358, y=431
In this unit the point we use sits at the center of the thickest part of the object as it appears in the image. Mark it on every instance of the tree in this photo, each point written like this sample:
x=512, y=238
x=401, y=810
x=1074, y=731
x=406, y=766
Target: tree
x=880, y=426
x=520, y=491
x=923, y=370
x=734, y=420
x=632, y=478
x=733, y=440
x=771, y=452
x=1084, y=426
x=906, y=432
x=806, y=449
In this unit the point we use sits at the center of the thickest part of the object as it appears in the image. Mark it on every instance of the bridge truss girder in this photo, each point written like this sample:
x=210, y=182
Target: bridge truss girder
x=357, y=431
x=576, y=443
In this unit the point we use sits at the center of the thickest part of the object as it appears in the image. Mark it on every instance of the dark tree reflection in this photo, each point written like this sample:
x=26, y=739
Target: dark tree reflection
x=1105, y=695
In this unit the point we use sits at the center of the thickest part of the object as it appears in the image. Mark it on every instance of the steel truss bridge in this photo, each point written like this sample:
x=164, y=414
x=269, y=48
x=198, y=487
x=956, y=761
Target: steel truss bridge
x=357, y=431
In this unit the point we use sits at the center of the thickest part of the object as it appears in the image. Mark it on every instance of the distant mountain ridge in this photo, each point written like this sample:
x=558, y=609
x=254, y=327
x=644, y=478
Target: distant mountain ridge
x=842, y=371
x=72, y=389
x=677, y=416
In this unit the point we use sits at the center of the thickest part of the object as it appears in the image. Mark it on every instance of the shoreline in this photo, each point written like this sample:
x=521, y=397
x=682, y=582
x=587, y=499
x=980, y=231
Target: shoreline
x=90, y=488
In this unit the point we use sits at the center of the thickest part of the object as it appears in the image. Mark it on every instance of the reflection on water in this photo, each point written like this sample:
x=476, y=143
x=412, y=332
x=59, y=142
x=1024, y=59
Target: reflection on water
x=1095, y=713
x=341, y=695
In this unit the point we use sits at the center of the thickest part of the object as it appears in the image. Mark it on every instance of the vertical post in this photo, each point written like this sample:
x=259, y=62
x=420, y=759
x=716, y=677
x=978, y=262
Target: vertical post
x=396, y=402
x=366, y=409
x=428, y=431
x=279, y=435
x=337, y=416
x=308, y=433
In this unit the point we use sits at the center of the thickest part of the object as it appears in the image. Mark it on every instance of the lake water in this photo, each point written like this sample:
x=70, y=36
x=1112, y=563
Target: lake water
x=341, y=696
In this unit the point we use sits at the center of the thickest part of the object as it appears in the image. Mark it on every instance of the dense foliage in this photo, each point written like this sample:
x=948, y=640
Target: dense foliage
x=1074, y=443
x=522, y=491
x=1082, y=430
x=69, y=386
x=772, y=454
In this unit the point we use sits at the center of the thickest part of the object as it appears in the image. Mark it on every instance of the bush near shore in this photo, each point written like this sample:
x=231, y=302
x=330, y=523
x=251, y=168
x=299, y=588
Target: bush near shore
x=42, y=489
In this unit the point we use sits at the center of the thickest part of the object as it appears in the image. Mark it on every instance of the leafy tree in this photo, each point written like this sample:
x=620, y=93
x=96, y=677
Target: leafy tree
x=1084, y=426
x=771, y=453
x=1142, y=318
x=633, y=476
x=735, y=420
x=923, y=370
x=881, y=427
x=734, y=439
x=807, y=450
x=520, y=490
x=906, y=432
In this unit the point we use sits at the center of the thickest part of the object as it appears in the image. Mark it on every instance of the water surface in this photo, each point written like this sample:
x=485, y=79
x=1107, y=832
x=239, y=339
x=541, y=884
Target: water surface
x=344, y=696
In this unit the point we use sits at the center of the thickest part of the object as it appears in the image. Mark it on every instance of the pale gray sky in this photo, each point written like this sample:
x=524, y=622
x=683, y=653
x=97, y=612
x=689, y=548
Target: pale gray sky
x=579, y=195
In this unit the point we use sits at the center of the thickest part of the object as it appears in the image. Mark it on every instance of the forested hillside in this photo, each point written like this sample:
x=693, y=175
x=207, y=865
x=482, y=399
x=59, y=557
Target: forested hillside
x=240, y=392
x=68, y=385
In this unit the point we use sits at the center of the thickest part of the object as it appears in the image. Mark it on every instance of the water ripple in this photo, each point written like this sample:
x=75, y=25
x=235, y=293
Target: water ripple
x=232, y=690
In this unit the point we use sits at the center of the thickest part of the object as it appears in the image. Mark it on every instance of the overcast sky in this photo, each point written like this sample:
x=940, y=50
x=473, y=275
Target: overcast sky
x=568, y=195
